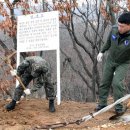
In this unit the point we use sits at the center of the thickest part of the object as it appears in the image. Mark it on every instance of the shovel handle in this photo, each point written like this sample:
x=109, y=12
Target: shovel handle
x=9, y=64
x=17, y=77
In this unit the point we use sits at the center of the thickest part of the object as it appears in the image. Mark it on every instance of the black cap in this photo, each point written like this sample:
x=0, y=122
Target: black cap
x=124, y=18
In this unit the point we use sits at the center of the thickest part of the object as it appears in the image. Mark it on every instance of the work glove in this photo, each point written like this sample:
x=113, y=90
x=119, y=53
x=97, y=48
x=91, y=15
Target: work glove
x=99, y=57
x=27, y=91
x=13, y=72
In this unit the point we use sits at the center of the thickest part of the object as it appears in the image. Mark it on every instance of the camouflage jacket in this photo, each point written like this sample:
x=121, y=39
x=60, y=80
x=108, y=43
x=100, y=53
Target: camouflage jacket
x=33, y=65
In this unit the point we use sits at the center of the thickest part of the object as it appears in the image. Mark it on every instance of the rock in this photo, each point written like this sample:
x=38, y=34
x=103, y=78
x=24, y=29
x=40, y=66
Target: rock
x=8, y=99
x=104, y=126
x=125, y=118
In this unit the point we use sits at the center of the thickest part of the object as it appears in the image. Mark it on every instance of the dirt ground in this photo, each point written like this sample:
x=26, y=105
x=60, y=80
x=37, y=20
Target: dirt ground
x=33, y=114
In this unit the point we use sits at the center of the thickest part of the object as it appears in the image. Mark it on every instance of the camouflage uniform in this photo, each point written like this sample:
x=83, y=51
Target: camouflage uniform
x=37, y=69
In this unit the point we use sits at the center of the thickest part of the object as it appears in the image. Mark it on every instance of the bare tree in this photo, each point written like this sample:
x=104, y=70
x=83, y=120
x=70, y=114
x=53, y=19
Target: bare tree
x=94, y=18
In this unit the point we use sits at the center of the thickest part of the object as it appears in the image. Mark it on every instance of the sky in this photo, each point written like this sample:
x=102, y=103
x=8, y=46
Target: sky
x=17, y=12
x=79, y=1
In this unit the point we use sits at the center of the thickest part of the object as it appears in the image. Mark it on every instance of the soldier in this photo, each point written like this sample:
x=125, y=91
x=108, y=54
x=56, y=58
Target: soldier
x=37, y=69
x=117, y=62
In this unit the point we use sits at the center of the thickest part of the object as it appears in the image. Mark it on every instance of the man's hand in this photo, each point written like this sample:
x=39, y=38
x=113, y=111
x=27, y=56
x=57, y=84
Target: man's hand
x=99, y=57
x=27, y=91
x=13, y=72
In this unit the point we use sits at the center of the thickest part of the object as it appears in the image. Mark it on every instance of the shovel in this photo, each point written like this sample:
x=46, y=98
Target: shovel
x=7, y=60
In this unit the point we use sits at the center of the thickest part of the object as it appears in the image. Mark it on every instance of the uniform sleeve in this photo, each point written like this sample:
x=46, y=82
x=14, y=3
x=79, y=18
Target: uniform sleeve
x=107, y=45
x=22, y=67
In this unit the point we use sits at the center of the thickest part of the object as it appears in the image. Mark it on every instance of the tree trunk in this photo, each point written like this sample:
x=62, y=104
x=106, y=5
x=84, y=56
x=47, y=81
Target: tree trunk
x=15, y=37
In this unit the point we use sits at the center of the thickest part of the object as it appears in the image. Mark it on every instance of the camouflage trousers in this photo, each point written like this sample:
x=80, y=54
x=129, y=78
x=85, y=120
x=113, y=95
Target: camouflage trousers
x=42, y=80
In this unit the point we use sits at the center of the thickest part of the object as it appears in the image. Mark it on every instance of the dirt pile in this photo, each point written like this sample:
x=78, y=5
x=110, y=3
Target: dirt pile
x=34, y=112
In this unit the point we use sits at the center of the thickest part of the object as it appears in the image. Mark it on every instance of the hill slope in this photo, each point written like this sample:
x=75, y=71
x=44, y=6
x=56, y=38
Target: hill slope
x=34, y=112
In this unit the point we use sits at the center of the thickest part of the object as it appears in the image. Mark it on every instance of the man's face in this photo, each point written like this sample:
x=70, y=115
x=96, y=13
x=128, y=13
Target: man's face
x=123, y=28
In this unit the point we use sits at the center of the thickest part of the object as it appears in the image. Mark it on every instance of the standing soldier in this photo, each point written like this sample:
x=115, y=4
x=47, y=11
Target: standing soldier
x=37, y=69
x=117, y=62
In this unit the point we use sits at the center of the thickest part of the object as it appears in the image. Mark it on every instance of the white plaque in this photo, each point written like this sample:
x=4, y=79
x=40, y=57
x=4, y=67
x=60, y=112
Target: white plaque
x=38, y=32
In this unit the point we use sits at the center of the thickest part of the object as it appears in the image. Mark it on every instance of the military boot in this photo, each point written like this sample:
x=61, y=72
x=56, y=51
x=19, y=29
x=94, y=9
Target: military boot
x=11, y=105
x=51, y=106
x=99, y=107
